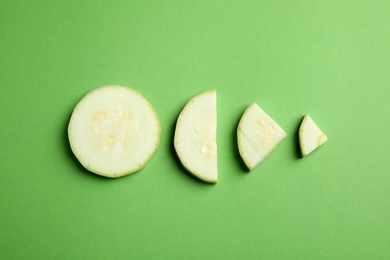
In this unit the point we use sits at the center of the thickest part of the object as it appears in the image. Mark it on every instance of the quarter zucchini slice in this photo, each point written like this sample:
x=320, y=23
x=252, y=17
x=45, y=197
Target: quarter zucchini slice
x=257, y=136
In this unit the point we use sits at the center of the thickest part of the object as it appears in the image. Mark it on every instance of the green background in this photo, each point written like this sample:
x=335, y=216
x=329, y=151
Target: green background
x=330, y=59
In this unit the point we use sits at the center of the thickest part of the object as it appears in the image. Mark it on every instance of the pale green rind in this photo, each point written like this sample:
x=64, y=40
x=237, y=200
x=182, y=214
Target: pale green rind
x=300, y=133
x=239, y=140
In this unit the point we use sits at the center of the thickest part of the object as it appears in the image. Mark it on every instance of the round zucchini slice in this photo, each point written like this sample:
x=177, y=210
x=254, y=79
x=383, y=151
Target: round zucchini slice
x=114, y=131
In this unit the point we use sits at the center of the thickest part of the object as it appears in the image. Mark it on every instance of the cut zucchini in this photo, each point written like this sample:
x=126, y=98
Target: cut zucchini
x=195, y=136
x=310, y=136
x=257, y=136
x=114, y=131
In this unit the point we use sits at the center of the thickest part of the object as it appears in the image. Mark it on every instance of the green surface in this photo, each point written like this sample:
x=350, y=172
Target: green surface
x=330, y=59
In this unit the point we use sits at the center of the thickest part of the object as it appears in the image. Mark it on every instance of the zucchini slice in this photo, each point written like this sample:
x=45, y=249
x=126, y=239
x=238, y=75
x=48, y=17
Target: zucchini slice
x=257, y=136
x=195, y=139
x=310, y=136
x=114, y=131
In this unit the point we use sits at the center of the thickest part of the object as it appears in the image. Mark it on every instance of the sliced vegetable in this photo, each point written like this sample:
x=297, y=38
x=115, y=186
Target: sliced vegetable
x=195, y=136
x=310, y=136
x=257, y=135
x=114, y=131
